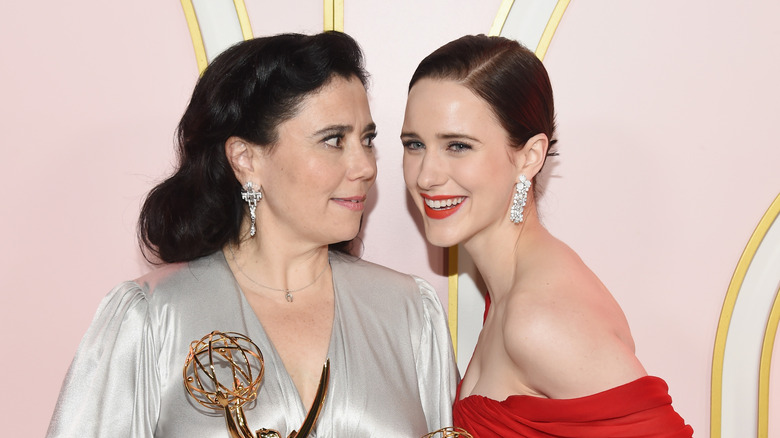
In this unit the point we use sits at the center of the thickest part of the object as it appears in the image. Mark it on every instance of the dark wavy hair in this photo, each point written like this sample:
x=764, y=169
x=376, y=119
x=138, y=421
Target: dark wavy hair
x=247, y=91
x=508, y=76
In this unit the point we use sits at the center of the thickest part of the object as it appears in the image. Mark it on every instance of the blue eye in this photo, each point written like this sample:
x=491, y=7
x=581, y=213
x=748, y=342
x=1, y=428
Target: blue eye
x=413, y=145
x=458, y=147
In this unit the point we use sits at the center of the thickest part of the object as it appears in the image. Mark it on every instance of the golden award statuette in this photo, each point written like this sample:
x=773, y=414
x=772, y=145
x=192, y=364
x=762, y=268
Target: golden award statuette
x=233, y=358
x=448, y=432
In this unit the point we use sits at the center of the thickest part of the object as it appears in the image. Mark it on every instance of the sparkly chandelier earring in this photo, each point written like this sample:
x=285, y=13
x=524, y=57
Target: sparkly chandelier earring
x=518, y=201
x=251, y=196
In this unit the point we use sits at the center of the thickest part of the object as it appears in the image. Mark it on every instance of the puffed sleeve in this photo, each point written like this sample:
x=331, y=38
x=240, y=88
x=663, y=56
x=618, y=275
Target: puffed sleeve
x=112, y=386
x=437, y=371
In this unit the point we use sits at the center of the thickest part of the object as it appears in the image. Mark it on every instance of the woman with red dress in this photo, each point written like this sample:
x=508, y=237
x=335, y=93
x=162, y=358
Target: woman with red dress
x=555, y=357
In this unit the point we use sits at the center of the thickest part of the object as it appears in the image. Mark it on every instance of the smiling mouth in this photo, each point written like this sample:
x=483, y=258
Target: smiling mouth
x=442, y=207
x=443, y=204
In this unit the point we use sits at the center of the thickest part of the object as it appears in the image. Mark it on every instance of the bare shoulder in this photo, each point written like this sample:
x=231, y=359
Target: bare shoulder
x=564, y=331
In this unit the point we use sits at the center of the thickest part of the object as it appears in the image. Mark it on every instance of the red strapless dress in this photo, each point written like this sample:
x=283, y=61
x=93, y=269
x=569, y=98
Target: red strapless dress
x=642, y=408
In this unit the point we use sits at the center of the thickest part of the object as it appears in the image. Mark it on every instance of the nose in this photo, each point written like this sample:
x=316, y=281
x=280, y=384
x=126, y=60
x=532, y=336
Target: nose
x=361, y=164
x=431, y=172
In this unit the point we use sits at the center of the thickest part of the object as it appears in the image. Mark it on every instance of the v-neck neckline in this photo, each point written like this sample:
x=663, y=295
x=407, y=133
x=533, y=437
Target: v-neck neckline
x=283, y=376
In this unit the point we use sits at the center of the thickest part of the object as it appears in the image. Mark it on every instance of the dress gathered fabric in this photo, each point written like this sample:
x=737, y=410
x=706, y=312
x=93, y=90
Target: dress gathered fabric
x=392, y=370
x=638, y=409
x=642, y=408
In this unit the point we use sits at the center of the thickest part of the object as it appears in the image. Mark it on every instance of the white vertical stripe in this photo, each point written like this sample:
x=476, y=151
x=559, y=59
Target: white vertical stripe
x=742, y=353
x=527, y=20
x=219, y=25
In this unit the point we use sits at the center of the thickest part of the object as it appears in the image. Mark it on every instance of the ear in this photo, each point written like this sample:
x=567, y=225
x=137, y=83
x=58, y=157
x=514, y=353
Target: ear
x=530, y=159
x=241, y=156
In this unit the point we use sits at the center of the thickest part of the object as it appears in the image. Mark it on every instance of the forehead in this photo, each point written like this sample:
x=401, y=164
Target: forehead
x=335, y=93
x=340, y=101
x=446, y=103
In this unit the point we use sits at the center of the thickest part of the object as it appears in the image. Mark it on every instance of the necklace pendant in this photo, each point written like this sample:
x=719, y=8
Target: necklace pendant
x=289, y=296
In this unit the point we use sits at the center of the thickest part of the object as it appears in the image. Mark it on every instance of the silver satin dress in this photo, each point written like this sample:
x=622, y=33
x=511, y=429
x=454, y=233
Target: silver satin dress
x=393, y=372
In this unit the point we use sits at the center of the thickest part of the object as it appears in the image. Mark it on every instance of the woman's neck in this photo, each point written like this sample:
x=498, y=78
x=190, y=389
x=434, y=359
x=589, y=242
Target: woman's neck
x=501, y=253
x=277, y=265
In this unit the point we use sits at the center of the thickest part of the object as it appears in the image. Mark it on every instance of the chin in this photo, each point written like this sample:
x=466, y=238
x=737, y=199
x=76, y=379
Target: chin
x=348, y=235
x=442, y=240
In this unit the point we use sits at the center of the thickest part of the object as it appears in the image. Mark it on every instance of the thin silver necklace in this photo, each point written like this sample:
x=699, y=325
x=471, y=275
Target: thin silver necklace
x=287, y=292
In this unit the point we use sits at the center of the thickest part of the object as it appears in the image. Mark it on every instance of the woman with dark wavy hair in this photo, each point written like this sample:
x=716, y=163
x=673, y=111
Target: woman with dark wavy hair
x=276, y=161
x=555, y=357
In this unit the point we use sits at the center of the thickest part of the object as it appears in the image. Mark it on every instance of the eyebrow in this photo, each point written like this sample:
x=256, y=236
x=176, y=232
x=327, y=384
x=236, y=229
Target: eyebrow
x=442, y=136
x=341, y=129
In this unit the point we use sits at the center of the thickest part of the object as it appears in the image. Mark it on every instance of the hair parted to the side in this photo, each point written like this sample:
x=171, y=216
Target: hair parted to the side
x=508, y=76
x=247, y=91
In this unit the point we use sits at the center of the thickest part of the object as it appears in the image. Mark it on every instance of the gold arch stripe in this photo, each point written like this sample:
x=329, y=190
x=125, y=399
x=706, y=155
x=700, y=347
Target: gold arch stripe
x=452, y=252
x=728, y=310
x=766, y=366
x=197, y=36
x=333, y=15
x=552, y=26
x=243, y=19
x=501, y=16
x=452, y=298
x=549, y=30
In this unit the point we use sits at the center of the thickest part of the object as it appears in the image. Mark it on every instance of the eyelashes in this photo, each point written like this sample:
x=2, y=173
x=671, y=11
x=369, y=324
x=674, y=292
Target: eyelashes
x=337, y=140
x=458, y=147
x=455, y=147
x=412, y=145
x=368, y=140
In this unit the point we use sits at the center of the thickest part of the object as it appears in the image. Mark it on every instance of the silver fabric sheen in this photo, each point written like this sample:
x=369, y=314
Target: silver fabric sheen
x=392, y=366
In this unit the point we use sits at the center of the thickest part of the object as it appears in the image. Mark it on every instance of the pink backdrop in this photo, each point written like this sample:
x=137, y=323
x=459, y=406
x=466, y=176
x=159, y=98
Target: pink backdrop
x=666, y=112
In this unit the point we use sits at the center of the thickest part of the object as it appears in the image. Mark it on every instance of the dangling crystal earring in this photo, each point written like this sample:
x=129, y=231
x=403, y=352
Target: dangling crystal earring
x=518, y=201
x=251, y=197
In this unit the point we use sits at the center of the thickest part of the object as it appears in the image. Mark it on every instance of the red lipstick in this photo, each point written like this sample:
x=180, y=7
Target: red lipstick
x=440, y=213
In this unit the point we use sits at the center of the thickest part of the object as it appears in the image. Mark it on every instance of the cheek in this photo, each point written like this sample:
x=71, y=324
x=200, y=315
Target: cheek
x=490, y=184
x=470, y=175
x=319, y=172
x=491, y=171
